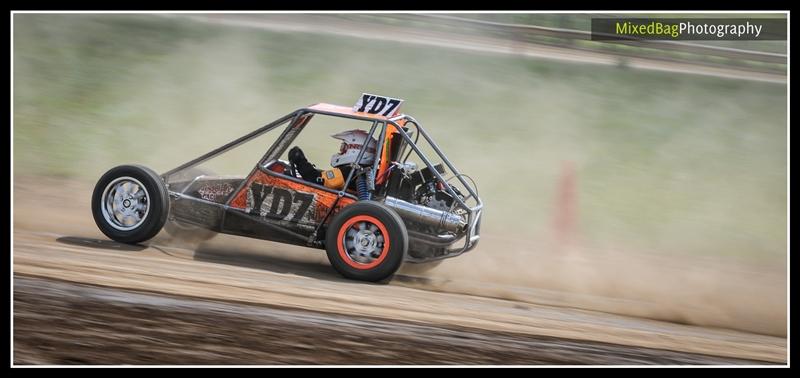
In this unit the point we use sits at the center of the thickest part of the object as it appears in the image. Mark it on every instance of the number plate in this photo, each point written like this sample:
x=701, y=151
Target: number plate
x=374, y=104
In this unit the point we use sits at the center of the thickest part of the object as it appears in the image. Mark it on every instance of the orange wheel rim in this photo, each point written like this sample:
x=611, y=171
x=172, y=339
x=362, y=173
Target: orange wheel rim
x=363, y=242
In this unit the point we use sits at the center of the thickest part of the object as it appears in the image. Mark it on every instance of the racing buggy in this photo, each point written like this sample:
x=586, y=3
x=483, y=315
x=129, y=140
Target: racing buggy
x=370, y=216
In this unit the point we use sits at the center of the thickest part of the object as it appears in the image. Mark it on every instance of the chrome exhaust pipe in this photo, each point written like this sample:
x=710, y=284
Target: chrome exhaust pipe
x=434, y=240
x=432, y=217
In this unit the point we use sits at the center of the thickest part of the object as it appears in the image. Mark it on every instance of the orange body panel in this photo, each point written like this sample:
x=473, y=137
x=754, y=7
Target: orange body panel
x=385, y=158
x=380, y=177
x=321, y=200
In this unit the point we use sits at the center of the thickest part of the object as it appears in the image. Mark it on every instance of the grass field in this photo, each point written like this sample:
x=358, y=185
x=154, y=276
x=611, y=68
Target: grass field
x=665, y=163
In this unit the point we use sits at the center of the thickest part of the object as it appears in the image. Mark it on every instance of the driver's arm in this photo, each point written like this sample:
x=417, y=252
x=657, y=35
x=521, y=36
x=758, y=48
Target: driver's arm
x=307, y=170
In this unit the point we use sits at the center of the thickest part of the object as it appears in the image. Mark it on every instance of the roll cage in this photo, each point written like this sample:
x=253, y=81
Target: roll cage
x=386, y=128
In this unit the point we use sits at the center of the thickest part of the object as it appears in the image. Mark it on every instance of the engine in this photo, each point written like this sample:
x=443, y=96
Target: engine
x=423, y=202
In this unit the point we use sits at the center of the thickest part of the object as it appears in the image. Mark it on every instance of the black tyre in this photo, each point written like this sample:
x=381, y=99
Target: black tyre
x=366, y=241
x=130, y=204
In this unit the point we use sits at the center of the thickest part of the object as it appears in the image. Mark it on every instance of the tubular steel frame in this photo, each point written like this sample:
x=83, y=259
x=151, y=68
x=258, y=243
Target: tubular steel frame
x=473, y=212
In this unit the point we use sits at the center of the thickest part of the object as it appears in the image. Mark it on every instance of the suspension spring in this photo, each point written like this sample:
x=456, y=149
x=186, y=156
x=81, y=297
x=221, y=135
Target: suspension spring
x=363, y=189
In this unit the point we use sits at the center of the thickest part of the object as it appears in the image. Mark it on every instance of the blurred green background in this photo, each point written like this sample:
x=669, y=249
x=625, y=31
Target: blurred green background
x=665, y=163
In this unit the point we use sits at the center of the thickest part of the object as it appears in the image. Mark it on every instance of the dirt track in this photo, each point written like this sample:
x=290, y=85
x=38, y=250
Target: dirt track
x=398, y=319
x=64, y=323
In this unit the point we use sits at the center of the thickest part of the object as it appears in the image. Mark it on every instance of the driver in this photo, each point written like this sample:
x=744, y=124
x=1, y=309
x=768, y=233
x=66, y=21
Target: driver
x=352, y=141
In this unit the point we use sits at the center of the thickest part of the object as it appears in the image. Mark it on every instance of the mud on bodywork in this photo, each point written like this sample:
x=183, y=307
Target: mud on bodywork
x=288, y=203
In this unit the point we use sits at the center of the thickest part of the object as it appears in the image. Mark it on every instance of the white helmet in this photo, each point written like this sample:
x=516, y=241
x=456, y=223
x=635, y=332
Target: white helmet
x=352, y=141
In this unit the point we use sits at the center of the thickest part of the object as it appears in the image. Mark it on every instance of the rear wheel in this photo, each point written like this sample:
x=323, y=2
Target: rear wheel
x=366, y=241
x=130, y=203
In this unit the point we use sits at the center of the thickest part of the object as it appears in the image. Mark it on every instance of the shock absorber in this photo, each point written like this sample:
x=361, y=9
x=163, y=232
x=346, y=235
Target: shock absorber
x=363, y=188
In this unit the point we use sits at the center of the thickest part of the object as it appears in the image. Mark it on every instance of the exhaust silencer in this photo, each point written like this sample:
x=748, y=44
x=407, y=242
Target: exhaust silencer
x=432, y=217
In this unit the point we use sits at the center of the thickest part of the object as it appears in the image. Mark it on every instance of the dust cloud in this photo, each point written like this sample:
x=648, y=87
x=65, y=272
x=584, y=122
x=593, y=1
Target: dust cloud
x=707, y=292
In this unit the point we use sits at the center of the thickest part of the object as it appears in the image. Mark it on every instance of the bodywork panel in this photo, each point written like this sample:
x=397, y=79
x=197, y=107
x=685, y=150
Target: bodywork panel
x=290, y=204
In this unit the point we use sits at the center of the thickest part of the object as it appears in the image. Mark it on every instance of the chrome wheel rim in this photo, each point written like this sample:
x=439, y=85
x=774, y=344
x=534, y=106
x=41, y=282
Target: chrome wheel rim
x=125, y=203
x=363, y=242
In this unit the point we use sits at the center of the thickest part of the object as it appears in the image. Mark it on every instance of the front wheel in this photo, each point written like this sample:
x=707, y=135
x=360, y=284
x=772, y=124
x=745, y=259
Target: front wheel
x=366, y=241
x=130, y=204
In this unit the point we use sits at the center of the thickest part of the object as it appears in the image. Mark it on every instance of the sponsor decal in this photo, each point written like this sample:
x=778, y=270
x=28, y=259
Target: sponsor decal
x=286, y=201
x=213, y=191
x=278, y=203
